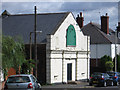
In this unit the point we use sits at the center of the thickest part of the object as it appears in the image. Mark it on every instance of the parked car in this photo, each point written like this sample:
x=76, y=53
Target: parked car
x=115, y=76
x=101, y=79
x=22, y=82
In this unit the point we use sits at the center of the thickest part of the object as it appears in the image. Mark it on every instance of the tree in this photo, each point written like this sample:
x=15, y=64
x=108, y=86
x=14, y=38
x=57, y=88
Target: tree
x=118, y=63
x=12, y=53
x=27, y=66
x=105, y=62
x=109, y=65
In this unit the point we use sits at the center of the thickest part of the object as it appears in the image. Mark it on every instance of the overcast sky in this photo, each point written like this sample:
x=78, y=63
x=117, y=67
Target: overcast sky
x=91, y=10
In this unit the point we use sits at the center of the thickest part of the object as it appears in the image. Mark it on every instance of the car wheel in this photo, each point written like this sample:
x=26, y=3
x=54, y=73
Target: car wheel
x=117, y=83
x=112, y=83
x=90, y=84
x=104, y=84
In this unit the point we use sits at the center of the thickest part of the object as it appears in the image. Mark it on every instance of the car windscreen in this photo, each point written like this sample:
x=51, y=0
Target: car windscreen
x=118, y=74
x=111, y=73
x=18, y=79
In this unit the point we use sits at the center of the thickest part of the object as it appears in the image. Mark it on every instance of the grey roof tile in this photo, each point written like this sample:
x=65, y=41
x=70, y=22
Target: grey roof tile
x=23, y=24
x=97, y=36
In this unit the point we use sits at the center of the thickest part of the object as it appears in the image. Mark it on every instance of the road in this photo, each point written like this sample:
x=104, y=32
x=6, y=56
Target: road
x=83, y=85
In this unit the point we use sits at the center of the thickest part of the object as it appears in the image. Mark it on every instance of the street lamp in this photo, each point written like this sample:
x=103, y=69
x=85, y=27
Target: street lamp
x=31, y=42
x=35, y=50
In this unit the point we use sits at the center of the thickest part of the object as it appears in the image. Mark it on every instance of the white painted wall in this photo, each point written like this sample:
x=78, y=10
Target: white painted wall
x=56, y=70
x=1, y=76
x=99, y=50
x=112, y=50
x=82, y=70
x=118, y=49
x=57, y=61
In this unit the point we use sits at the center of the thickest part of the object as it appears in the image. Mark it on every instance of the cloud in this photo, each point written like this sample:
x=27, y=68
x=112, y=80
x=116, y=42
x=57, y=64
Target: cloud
x=22, y=7
x=86, y=6
x=59, y=0
x=51, y=7
x=91, y=10
x=95, y=15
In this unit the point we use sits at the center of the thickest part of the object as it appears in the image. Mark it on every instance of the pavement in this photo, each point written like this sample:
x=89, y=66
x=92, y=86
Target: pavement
x=72, y=84
x=1, y=86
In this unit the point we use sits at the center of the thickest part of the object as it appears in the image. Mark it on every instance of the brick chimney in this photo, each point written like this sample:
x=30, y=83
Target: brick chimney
x=80, y=20
x=118, y=29
x=105, y=24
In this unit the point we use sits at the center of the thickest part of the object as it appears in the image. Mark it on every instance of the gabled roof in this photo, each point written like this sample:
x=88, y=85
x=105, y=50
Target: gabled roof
x=97, y=36
x=23, y=24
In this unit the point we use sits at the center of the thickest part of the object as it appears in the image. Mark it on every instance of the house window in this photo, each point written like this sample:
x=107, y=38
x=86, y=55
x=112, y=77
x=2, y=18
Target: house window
x=71, y=36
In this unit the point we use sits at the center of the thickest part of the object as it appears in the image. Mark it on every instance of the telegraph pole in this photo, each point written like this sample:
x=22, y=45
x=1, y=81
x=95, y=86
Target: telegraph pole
x=35, y=42
x=115, y=51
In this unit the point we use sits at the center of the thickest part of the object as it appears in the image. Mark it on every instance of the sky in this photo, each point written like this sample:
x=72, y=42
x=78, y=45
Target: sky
x=91, y=10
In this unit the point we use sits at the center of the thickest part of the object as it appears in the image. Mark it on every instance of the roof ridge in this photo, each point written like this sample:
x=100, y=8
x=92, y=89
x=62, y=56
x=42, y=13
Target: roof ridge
x=94, y=23
x=39, y=14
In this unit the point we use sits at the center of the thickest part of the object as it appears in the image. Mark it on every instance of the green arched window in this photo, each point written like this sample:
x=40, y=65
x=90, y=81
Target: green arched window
x=71, y=36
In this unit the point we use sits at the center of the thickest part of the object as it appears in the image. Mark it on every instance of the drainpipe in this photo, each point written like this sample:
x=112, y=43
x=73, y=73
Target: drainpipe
x=96, y=55
x=87, y=60
x=76, y=65
x=63, y=66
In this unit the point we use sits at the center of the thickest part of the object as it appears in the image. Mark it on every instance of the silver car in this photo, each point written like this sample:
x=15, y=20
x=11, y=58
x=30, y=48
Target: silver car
x=22, y=82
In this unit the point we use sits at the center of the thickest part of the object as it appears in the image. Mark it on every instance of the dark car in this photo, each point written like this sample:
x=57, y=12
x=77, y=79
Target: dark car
x=22, y=82
x=101, y=79
x=115, y=76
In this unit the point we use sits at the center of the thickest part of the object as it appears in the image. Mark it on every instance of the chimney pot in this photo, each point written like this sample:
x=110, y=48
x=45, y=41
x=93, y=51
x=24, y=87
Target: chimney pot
x=80, y=14
x=106, y=14
x=90, y=22
x=118, y=23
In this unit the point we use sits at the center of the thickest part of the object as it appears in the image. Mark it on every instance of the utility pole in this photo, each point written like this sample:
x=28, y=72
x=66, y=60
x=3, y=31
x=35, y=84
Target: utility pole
x=35, y=42
x=115, y=51
x=30, y=46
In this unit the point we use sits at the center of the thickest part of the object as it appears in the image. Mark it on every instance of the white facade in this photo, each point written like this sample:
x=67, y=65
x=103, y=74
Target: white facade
x=99, y=50
x=59, y=55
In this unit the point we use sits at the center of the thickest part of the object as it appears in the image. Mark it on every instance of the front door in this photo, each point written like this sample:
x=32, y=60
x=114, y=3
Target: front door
x=69, y=71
